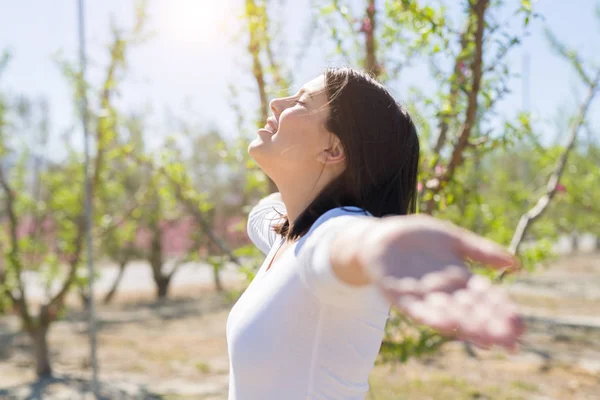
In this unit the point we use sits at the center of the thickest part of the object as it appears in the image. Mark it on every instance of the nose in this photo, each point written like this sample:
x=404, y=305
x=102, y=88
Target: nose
x=277, y=106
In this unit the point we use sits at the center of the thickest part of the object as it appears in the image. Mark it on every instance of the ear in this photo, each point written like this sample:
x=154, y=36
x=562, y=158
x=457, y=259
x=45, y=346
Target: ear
x=332, y=155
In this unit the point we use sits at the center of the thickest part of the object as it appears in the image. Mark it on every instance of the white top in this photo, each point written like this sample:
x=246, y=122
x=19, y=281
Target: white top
x=298, y=332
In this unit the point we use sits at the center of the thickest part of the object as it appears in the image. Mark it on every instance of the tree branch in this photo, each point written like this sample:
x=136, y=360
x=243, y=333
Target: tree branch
x=454, y=91
x=191, y=206
x=456, y=159
x=134, y=204
x=116, y=53
x=195, y=211
x=536, y=211
x=371, y=64
x=180, y=261
x=472, y=104
x=254, y=18
x=14, y=253
x=254, y=50
x=570, y=55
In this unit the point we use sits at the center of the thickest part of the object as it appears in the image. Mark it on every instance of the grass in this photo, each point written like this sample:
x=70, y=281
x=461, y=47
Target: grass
x=525, y=386
x=203, y=367
x=439, y=387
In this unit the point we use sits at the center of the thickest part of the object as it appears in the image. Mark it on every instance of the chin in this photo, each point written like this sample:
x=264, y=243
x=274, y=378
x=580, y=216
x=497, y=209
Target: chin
x=257, y=150
x=255, y=147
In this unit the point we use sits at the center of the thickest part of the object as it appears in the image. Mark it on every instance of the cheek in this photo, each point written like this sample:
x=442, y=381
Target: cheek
x=300, y=134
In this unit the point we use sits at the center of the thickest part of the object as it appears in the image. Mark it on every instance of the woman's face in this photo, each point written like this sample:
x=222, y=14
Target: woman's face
x=294, y=145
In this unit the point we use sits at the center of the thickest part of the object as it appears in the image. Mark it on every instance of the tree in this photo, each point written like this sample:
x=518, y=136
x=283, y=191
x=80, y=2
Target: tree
x=127, y=187
x=592, y=83
x=161, y=213
x=267, y=71
x=55, y=243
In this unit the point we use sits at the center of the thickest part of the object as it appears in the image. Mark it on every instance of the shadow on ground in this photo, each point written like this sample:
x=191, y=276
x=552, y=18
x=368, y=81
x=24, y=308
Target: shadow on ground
x=69, y=387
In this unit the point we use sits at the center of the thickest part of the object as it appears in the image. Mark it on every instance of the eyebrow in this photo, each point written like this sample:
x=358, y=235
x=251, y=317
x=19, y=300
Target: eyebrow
x=304, y=91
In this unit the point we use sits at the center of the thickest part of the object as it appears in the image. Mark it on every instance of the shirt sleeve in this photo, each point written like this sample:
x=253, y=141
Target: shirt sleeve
x=261, y=220
x=316, y=270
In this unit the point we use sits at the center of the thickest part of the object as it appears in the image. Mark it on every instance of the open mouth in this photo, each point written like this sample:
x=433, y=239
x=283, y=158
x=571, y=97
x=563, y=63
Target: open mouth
x=272, y=126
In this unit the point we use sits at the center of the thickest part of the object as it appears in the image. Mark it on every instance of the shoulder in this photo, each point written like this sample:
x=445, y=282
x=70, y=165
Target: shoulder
x=333, y=221
x=339, y=215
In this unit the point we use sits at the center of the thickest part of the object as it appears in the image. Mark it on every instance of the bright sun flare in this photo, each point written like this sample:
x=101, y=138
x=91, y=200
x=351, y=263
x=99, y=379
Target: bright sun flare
x=199, y=22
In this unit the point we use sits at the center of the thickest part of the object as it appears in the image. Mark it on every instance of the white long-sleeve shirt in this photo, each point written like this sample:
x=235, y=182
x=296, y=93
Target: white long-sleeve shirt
x=298, y=332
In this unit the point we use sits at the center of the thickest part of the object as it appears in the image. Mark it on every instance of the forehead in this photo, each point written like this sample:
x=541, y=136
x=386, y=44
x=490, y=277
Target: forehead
x=315, y=88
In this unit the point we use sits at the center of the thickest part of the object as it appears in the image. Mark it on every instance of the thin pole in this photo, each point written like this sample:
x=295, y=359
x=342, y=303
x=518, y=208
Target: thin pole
x=83, y=104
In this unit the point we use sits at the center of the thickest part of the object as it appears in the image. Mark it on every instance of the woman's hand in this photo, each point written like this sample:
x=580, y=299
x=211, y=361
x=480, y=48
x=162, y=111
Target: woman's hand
x=419, y=264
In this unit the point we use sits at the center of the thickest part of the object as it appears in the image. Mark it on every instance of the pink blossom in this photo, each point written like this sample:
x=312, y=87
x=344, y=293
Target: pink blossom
x=419, y=187
x=560, y=188
x=366, y=26
x=464, y=69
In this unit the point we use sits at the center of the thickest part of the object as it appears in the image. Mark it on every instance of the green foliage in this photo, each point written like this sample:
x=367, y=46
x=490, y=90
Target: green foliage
x=44, y=198
x=576, y=207
x=404, y=340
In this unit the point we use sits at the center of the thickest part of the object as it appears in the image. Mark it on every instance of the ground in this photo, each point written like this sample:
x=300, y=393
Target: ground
x=176, y=349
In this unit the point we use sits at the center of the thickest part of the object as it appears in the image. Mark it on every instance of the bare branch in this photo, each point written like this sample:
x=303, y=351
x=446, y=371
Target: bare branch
x=536, y=211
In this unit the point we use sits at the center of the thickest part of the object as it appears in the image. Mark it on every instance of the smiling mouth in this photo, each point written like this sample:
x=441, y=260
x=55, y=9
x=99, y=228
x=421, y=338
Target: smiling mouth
x=271, y=126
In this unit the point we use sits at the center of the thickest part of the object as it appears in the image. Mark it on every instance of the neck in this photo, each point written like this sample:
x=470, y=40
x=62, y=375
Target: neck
x=298, y=197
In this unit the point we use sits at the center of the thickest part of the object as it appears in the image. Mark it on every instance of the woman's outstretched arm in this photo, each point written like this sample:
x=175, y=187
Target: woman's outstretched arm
x=418, y=262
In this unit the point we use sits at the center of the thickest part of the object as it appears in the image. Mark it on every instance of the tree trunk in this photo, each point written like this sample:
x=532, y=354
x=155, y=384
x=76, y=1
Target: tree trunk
x=84, y=297
x=162, y=286
x=217, y=277
x=40, y=349
x=111, y=293
x=574, y=242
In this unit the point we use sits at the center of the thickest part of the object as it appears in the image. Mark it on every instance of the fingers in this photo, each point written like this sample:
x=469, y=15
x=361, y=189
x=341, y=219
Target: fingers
x=478, y=312
x=447, y=280
x=479, y=249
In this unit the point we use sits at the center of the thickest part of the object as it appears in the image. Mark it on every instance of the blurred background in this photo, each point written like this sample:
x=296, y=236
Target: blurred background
x=504, y=93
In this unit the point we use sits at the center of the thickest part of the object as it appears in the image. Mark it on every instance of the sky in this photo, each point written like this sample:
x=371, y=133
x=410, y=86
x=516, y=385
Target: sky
x=193, y=56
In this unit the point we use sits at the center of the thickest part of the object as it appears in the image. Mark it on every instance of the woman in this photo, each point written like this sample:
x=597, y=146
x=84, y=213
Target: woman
x=309, y=326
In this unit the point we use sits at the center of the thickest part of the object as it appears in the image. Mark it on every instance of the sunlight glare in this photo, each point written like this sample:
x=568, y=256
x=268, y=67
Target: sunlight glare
x=198, y=22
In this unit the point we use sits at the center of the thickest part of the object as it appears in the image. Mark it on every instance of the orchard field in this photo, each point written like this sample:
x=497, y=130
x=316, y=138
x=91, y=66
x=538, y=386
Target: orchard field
x=505, y=97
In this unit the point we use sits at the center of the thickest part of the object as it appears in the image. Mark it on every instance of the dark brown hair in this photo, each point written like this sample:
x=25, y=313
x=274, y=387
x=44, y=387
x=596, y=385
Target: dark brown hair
x=381, y=148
